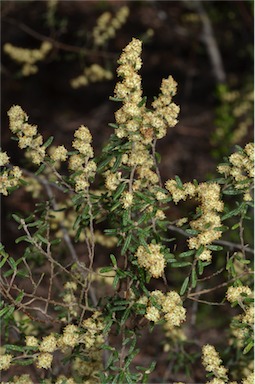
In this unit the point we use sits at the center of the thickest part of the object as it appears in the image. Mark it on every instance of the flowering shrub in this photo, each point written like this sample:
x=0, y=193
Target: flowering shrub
x=85, y=326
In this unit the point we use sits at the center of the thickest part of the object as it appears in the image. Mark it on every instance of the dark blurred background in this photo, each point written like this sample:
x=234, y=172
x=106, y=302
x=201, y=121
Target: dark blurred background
x=206, y=46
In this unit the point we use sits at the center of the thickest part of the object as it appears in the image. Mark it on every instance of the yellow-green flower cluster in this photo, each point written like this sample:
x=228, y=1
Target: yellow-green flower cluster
x=151, y=259
x=212, y=362
x=91, y=74
x=9, y=179
x=171, y=309
x=70, y=298
x=241, y=169
x=208, y=194
x=93, y=326
x=249, y=379
x=90, y=334
x=81, y=162
x=4, y=159
x=58, y=153
x=28, y=57
x=5, y=361
x=136, y=123
x=27, y=134
x=107, y=25
x=127, y=199
x=238, y=293
x=242, y=325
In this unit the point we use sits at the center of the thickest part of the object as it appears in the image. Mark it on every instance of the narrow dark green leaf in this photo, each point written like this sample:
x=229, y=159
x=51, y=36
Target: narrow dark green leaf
x=181, y=264
x=214, y=247
x=232, y=213
x=248, y=347
x=106, y=269
x=119, y=190
x=187, y=253
x=113, y=260
x=126, y=244
x=42, y=239
x=184, y=286
x=48, y=142
x=25, y=362
x=194, y=278
x=11, y=347
x=3, y=261
x=16, y=218
x=142, y=102
x=40, y=169
x=115, y=98
x=178, y=182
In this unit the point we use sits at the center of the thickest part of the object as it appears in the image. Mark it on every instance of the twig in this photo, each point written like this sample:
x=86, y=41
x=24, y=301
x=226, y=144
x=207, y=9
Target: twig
x=204, y=302
x=217, y=287
x=58, y=44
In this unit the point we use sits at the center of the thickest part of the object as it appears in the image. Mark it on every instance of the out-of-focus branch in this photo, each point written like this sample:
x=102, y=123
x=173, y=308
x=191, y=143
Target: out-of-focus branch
x=210, y=41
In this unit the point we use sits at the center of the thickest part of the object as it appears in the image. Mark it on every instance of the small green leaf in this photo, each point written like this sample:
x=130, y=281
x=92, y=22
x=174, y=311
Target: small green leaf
x=16, y=218
x=48, y=142
x=184, y=286
x=178, y=182
x=11, y=347
x=126, y=244
x=142, y=102
x=248, y=347
x=181, y=264
x=232, y=213
x=194, y=278
x=40, y=169
x=42, y=239
x=105, y=269
x=115, y=281
x=187, y=253
x=113, y=260
x=115, y=98
x=119, y=191
x=214, y=247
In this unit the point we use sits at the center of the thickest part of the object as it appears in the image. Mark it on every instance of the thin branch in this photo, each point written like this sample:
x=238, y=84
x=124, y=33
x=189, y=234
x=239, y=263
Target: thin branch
x=218, y=286
x=58, y=44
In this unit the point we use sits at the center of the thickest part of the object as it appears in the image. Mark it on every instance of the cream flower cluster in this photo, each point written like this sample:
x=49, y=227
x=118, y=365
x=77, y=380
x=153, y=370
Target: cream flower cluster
x=81, y=162
x=91, y=74
x=72, y=336
x=28, y=57
x=94, y=326
x=171, y=309
x=208, y=194
x=242, y=325
x=107, y=25
x=241, y=169
x=139, y=125
x=212, y=362
x=69, y=298
x=27, y=134
x=238, y=293
x=5, y=361
x=58, y=153
x=152, y=259
x=8, y=178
